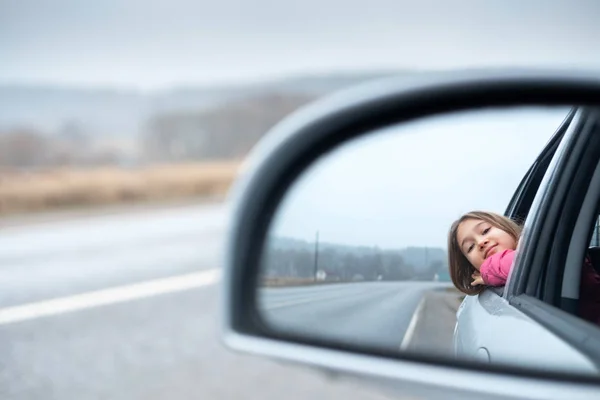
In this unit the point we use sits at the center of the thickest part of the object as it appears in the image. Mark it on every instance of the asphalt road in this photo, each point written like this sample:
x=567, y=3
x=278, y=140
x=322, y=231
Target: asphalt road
x=365, y=313
x=124, y=306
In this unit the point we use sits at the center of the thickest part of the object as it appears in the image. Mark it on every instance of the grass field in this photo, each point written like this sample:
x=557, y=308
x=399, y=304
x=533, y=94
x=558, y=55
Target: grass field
x=49, y=190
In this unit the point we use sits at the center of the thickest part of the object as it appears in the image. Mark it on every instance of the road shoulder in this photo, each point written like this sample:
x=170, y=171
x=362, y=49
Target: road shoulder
x=434, y=322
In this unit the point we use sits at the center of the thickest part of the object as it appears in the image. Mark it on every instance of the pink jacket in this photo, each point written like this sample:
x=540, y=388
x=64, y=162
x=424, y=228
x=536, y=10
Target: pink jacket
x=495, y=268
x=494, y=272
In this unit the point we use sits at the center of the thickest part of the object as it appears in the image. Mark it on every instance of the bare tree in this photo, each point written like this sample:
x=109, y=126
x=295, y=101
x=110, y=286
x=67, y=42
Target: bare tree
x=23, y=148
x=228, y=131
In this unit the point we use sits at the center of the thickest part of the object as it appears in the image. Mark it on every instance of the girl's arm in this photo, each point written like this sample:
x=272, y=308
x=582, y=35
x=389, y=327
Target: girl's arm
x=495, y=269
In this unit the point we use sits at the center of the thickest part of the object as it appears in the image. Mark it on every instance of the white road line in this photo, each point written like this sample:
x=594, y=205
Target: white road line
x=410, y=331
x=104, y=297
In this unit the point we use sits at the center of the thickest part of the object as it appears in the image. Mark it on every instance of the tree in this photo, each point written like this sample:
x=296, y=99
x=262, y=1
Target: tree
x=228, y=131
x=396, y=268
x=23, y=148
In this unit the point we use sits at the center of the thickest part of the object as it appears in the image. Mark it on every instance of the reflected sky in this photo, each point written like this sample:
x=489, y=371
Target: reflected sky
x=404, y=186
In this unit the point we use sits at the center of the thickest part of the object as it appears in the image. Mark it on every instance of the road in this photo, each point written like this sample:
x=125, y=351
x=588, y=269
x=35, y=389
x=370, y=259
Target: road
x=375, y=313
x=124, y=306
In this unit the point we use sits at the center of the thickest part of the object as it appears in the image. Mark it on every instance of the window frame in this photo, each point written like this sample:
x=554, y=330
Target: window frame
x=544, y=213
x=554, y=211
x=520, y=204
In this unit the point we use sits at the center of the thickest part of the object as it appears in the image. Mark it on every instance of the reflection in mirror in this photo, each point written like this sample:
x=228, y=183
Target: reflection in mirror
x=357, y=252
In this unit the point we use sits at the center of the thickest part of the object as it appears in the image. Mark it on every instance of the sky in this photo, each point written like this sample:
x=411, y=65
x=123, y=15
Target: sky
x=401, y=181
x=151, y=44
x=405, y=185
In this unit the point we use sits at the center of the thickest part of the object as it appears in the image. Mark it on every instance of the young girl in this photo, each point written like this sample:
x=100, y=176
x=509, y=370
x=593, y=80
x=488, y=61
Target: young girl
x=481, y=251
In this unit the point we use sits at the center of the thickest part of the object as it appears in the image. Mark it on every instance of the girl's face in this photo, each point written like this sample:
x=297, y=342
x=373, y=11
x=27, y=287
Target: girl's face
x=478, y=240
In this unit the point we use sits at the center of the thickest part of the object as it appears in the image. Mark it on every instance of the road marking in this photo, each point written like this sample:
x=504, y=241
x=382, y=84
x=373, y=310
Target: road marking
x=104, y=297
x=410, y=331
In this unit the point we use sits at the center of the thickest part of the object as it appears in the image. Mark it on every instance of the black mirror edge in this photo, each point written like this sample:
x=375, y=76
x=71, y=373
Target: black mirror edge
x=312, y=131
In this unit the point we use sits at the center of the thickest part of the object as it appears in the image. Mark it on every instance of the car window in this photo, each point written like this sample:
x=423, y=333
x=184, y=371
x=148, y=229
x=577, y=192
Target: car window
x=554, y=282
x=593, y=252
x=570, y=280
x=587, y=306
x=595, y=240
x=581, y=275
x=519, y=206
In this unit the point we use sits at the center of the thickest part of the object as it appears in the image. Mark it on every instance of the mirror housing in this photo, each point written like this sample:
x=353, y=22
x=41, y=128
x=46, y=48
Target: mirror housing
x=303, y=137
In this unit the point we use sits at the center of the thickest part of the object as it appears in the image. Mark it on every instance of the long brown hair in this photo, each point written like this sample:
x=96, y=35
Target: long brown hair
x=460, y=268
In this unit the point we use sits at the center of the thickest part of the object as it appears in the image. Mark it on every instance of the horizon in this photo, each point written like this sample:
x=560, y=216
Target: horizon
x=355, y=245
x=227, y=84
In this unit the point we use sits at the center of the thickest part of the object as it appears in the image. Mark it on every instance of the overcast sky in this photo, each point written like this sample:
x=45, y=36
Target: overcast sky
x=401, y=184
x=152, y=44
x=405, y=186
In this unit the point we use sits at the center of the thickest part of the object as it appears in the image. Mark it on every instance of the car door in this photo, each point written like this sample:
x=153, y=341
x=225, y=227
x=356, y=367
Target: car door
x=488, y=326
x=551, y=273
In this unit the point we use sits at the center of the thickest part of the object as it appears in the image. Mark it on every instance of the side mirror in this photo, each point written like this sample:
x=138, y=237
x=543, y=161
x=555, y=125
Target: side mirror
x=338, y=254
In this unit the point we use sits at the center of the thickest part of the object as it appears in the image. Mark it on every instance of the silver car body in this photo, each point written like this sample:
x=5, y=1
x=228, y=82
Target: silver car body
x=488, y=328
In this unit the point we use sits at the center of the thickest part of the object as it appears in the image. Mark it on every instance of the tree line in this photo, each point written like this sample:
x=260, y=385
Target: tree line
x=339, y=264
x=228, y=131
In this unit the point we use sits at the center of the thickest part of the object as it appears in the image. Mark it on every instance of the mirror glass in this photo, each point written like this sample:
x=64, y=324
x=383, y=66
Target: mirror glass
x=357, y=252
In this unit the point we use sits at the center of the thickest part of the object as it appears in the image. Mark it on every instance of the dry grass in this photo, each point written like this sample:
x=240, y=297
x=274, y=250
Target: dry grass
x=22, y=192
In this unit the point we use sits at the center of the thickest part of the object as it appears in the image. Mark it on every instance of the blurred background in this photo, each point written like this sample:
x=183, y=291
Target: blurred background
x=122, y=127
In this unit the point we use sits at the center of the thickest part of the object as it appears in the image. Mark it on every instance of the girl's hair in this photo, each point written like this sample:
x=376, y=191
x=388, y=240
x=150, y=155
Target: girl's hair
x=460, y=267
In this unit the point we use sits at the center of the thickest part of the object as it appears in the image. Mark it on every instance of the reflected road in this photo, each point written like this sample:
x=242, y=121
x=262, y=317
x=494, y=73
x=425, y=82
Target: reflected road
x=374, y=313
